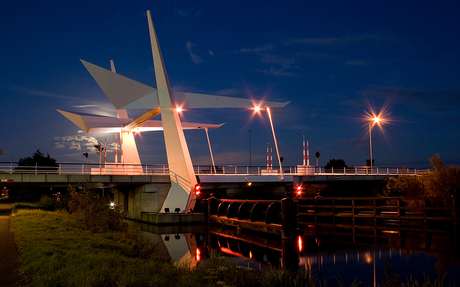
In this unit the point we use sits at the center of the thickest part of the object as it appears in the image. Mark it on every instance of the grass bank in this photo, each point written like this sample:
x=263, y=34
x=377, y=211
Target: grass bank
x=57, y=250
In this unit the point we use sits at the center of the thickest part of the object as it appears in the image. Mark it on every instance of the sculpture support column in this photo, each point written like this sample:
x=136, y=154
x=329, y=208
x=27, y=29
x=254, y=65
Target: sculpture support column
x=181, y=171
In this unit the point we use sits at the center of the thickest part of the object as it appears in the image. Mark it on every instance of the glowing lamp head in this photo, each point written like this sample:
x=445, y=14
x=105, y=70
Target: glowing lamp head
x=376, y=120
x=179, y=109
x=197, y=190
x=198, y=255
x=299, y=190
x=257, y=109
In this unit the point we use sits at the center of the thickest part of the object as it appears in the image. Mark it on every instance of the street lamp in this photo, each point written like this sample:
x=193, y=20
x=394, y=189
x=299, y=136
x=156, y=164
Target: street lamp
x=258, y=109
x=250, y=148
x=276, y=143
x=373, y=122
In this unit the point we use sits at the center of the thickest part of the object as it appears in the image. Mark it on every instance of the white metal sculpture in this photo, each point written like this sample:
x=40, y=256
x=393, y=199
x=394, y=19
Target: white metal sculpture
x=125, y=93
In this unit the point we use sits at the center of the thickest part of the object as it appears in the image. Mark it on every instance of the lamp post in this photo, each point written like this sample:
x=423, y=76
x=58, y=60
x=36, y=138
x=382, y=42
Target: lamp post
x=276, y=143
x=374, y=121
x=250, y=148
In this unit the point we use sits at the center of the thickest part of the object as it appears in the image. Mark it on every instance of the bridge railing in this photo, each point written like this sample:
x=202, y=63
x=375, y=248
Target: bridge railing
x=162, y=169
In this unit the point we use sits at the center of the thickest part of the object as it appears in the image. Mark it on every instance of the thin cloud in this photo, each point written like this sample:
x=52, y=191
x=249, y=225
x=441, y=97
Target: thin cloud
x=357, y=63
x=31, y=92
x=187, y=13
x=265, y=48
x=58, y=145
x=274, y=59
x=347, y=39
x=195, y=58
x=74, y=145
x=275, y=72
x=85, y=106
x=427, y=100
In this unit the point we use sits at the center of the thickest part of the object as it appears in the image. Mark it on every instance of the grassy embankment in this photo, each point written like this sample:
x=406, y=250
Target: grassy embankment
x=57, y=250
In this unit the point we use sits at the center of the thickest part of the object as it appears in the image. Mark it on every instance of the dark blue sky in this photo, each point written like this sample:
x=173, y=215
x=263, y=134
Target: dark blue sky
x=333, y=59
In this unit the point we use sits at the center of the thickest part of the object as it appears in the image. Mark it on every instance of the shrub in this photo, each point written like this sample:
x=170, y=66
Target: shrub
x=47, y=203
x=94, y=211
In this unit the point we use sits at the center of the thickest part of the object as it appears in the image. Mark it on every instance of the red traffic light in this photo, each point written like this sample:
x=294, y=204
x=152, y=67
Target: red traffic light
x=197, y=190
x=299, y=190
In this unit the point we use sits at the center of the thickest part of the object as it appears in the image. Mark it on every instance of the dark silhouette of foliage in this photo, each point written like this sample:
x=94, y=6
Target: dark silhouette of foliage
x=94, y=211
x=444, y=181
x=335, y=163
x=368, y=162
x=38, y=160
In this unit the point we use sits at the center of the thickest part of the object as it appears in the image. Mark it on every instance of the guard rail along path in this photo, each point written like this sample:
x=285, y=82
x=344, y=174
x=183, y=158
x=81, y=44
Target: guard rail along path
x=162, y=169
x=381, y=214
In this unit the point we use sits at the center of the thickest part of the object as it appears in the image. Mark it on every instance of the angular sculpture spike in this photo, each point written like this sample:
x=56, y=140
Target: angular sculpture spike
x=182, y=174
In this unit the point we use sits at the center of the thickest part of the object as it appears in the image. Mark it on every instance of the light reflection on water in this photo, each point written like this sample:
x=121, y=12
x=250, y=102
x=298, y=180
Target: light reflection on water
x=327, y=256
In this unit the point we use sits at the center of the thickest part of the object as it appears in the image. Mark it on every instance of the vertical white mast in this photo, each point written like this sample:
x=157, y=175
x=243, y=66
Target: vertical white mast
x=303, y=153
x=181, y=172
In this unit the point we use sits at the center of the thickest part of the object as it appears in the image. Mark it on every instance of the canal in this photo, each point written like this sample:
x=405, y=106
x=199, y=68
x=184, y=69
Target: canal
x=327, y=254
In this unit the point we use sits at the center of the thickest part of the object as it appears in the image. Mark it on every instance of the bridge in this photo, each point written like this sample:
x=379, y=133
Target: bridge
x=144, y=192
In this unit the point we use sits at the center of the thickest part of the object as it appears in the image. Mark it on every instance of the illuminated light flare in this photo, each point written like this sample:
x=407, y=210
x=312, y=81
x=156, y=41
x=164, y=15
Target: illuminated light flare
x=299, y=243
x=197, y=190
x=179, y=109
x=299, y=190
x=198, y=255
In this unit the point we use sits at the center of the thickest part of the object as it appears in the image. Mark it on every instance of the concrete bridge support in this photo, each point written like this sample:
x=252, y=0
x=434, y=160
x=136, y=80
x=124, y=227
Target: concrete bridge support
x=134, y=200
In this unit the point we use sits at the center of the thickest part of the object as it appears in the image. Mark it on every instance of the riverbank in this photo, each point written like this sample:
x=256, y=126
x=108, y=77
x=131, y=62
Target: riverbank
x=57, y=250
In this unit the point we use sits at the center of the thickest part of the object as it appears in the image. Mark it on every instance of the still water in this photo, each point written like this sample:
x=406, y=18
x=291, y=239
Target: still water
x=327, y=255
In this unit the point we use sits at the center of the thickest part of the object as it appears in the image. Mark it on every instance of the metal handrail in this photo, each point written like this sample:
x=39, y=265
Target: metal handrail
x=162, y=169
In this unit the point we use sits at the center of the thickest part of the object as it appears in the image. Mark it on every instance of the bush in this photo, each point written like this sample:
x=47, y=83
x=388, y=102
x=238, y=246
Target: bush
x=444, y=181
x=94, y=211
x=47, y=203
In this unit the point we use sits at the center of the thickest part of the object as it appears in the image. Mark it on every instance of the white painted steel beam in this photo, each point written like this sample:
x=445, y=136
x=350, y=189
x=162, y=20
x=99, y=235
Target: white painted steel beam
x=183, y=179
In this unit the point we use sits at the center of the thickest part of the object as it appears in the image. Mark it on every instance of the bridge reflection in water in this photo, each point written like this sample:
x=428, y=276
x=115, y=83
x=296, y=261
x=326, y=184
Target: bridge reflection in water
x=326, y=253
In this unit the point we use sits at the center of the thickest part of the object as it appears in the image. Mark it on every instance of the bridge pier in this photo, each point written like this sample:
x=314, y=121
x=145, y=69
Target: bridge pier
x=135, y=200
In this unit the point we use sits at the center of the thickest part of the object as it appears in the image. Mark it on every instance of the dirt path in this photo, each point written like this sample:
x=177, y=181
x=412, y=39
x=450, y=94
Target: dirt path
x=9, y=257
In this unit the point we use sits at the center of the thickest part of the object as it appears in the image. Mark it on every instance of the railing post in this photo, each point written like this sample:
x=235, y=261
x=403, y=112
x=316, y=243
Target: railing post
x=59, y=168
x=11, y=168
x=332, y=170
x=356, y=170
x=288, y=218
x=36, y=168
x=377, y=171
x=235, y=171
x=344, y=171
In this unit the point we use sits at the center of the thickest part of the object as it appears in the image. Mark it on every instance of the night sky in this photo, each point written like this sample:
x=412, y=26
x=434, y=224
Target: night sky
x=334, y=60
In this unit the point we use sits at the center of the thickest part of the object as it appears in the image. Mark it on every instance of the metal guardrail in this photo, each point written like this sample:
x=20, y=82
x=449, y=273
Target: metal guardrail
x=162, y=169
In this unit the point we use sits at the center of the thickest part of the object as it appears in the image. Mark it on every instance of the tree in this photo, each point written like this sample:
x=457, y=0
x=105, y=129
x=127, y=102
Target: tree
x=335, y=163
x=38, y=159
x=444, y=181
x=368, y=162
